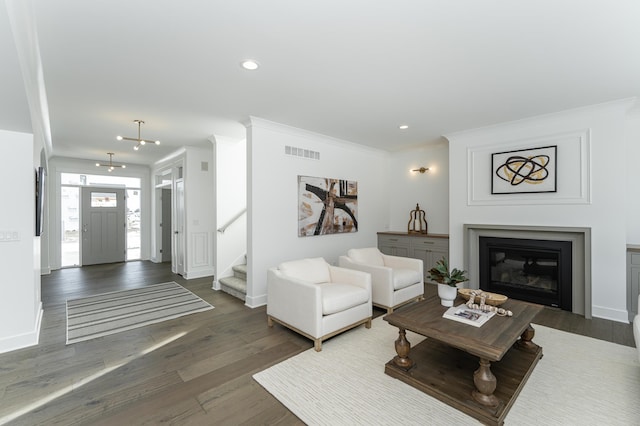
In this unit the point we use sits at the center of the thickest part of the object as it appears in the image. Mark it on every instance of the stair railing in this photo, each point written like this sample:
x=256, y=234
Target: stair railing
x=231, y=221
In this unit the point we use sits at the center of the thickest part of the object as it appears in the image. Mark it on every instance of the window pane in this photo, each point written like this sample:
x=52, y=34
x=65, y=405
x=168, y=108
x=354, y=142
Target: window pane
x=70, y=210
x=97, y=180
x=133, y=224
x=104, y=199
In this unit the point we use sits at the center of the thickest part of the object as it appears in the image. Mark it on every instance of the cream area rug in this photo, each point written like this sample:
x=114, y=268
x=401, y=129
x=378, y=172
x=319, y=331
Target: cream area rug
x=579, y=381
x=110, y=313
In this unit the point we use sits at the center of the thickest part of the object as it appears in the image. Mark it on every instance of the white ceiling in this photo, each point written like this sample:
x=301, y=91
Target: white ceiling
x=354, y=70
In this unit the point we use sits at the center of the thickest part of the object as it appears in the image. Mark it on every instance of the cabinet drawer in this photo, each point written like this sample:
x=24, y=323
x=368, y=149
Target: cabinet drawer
x=430, y=243
x=393, y=241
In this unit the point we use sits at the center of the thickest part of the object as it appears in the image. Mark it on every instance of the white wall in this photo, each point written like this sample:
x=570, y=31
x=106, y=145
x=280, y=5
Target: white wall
x=20, y=304
x=272, y=218
x=199, y=212
x=199, y=208
x=601, y=207
x=430, y=190
x=632, y=182
x=231, y=200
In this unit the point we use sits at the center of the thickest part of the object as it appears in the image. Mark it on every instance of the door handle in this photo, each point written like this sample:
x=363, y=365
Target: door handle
x=175, y=232
x=84, y=228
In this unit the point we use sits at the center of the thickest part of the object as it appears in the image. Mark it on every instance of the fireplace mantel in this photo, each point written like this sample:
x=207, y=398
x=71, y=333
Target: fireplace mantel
x=581, y=258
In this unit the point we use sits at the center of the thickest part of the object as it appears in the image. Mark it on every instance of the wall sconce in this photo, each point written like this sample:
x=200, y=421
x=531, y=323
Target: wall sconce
x=421, y=170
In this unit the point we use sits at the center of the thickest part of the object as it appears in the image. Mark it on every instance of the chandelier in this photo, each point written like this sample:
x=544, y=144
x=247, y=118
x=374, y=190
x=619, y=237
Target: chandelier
x=110, y=165
x=138, y=140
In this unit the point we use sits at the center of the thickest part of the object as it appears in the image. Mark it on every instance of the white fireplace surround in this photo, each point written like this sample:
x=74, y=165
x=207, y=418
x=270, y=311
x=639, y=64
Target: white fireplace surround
x=580, y=239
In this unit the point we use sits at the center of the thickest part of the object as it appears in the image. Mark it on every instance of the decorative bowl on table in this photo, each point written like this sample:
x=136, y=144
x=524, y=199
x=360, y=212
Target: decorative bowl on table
x=492, y=299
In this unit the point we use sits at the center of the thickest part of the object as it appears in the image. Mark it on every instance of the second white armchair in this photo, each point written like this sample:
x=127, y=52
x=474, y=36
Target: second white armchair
x=395, y=280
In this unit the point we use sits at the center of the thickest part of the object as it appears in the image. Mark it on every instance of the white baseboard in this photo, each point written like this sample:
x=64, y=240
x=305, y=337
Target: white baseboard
x=215, y=285
x=617, y=315
x=199, y=274
x=255, y=302
x=25, y=340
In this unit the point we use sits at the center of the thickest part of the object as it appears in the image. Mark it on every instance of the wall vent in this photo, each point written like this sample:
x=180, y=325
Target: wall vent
x=301, y=152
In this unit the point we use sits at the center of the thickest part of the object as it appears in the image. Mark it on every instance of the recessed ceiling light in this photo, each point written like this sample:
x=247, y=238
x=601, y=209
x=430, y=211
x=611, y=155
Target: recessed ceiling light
x=403, y=127
x=250, y=65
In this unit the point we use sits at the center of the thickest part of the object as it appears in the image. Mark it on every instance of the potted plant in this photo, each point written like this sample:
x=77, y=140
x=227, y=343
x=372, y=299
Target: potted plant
x=447, y=281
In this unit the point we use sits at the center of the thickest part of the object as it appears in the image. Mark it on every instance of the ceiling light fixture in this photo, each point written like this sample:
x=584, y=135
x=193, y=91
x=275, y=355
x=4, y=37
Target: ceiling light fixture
x=111, y=166
x=421, y=170
x=403, y=127
x=139, y=140
x=249, y=64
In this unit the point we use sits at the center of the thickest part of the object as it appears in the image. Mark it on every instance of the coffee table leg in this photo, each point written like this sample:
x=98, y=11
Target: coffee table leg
x=402, y=349
x=485, y=383
x=525, y=343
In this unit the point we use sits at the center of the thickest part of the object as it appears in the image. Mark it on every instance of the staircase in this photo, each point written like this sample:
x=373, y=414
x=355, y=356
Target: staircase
x=236, y=285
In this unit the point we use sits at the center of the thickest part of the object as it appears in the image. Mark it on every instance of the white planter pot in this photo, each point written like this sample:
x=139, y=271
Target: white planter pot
x=447, y=294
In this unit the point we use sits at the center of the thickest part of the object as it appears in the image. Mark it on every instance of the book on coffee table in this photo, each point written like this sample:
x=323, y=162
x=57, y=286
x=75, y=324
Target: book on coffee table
x=466, y=315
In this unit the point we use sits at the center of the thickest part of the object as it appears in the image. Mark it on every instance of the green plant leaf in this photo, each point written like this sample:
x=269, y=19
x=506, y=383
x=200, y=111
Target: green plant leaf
x=440, y=273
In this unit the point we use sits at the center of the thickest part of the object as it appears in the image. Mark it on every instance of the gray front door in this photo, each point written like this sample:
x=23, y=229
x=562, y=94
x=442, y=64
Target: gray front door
x=103, y=225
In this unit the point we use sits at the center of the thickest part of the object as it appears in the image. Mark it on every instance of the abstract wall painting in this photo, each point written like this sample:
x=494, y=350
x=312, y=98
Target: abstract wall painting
x=524, y=171
x=327, y=206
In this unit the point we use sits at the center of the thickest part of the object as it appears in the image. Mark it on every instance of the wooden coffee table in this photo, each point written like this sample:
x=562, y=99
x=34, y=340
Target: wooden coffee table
x=477, y=370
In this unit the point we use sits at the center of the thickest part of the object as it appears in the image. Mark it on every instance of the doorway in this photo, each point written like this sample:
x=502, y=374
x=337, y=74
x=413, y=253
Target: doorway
x=165, y=224
x=103, y=225
x=178, y=233
x=71, y=195
x=169, y=244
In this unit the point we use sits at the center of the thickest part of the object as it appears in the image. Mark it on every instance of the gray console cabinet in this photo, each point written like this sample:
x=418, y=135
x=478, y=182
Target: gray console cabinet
x=429, y=248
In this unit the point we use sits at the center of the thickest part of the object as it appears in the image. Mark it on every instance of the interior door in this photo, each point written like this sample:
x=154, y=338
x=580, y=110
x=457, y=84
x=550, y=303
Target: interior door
x=103, y=225
x=166, y=225
x=178, y=232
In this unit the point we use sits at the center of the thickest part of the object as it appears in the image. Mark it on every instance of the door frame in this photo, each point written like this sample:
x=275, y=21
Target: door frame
x=178, y=251
x=169, y=178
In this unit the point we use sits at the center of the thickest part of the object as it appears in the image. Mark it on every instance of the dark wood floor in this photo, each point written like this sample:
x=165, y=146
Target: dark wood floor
x=195, y=370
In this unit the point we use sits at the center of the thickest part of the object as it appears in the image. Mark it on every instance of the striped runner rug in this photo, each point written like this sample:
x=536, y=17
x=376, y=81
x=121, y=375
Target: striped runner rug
x=109, y=313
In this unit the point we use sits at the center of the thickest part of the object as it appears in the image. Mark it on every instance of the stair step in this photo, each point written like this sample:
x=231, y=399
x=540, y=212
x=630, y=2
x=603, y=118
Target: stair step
x=234, y=286
x=240, y=271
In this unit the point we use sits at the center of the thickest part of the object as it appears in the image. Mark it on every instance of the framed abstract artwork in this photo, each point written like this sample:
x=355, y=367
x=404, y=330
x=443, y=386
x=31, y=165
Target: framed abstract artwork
x=327, y=206
x=524, y=171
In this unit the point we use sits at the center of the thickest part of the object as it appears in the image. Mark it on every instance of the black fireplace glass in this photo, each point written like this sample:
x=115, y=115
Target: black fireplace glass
x=537, y=271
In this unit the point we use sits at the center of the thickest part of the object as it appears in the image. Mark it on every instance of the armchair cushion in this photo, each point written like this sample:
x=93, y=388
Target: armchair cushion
x=368, y=256
x=403, y=278
x=338, y=297
x=314, y=270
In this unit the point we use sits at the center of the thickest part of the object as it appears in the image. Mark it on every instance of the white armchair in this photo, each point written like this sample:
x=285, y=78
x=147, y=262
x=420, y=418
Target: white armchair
x=318, y=300
x=395, y=280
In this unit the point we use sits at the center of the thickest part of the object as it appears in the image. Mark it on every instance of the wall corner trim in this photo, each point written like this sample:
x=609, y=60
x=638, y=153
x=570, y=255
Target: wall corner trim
x=25, y=340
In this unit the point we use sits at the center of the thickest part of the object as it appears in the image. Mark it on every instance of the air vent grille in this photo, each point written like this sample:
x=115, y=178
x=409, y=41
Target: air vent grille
x=301, y=152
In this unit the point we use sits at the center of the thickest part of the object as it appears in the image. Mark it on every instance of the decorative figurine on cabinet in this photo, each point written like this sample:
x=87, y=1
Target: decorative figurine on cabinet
x=417, y=222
